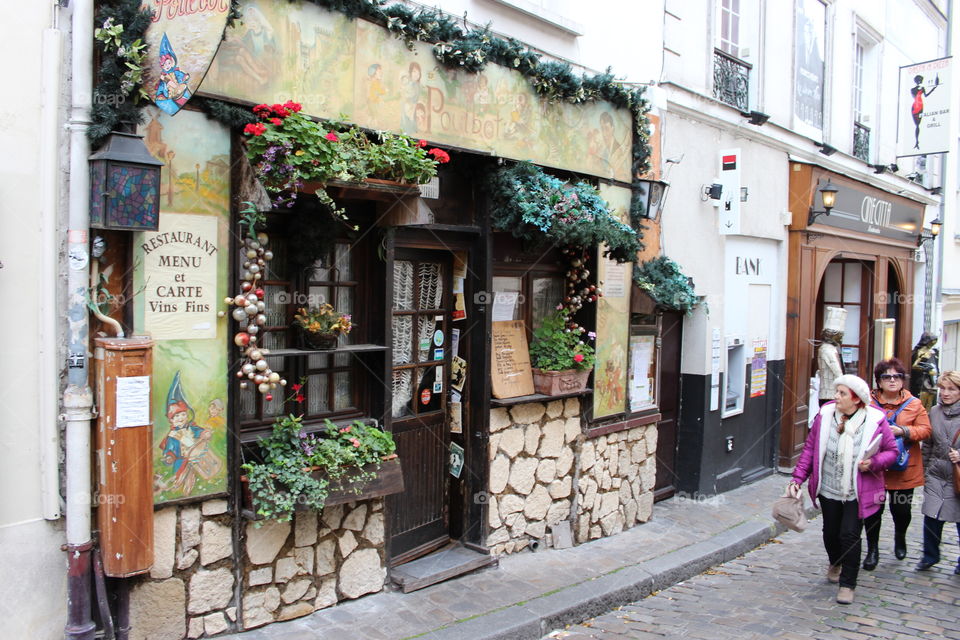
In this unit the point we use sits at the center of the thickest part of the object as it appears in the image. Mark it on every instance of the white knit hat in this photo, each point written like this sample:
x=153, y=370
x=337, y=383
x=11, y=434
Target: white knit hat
x=857, y=385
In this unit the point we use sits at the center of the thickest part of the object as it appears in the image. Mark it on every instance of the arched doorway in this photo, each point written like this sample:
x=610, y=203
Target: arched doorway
x=849, y=284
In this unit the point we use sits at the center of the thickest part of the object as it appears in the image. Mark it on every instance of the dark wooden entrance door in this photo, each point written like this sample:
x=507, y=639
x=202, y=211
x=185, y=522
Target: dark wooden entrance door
x=671, y=338
x=419, y=516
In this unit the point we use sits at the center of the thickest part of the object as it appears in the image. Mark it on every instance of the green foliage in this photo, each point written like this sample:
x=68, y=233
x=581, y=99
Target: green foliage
x=665, y=282
x=120, y=48
x=541, y=209
x=555, y=347
x=283, y=480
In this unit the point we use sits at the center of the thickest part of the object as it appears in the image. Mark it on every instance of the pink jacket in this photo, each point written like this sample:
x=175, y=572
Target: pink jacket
x=869, y=486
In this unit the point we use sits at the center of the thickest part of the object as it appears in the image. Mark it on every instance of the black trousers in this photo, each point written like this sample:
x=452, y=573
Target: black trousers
x=932, y=535
x=900, y=501
x=842, y=527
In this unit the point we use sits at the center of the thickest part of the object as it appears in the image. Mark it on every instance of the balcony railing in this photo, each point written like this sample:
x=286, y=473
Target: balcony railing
x=861, y=141
x=731, y=80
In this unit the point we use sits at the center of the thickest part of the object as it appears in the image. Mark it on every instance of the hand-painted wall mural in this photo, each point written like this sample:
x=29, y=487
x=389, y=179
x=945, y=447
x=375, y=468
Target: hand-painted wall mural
x=335, y=66
x=180, y=274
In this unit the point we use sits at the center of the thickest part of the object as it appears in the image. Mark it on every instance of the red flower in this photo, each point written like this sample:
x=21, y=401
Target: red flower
x=578, y=357
x=292, y=106
x=332, y=137
x=276, y=121
x=439, y=155
x=256, y=128
x=299, y=397
x=261, y=109
x=355, y=442
x=280, y=110
x=421, y=144
x=345, y=429
x=296, y=387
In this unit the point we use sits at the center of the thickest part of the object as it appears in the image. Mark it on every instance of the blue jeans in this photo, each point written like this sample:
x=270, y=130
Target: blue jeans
x=932, y=534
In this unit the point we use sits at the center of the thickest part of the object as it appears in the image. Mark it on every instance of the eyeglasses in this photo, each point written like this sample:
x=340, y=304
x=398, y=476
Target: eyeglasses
x=891, y=376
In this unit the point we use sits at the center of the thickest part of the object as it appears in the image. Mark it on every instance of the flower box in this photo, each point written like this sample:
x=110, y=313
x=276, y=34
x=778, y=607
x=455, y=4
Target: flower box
x=388, y=480
x=555, y=383
x=369, y=189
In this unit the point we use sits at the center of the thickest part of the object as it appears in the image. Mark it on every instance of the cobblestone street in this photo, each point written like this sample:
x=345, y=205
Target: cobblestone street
x=780, y=591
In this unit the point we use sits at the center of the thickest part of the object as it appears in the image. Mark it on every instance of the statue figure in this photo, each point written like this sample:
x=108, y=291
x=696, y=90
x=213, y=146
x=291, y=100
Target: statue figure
x=829, y=363
x=924, y=369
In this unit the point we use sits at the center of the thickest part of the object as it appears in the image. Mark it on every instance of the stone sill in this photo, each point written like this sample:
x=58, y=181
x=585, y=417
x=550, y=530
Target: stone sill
x=623, y=425
x=535, y=397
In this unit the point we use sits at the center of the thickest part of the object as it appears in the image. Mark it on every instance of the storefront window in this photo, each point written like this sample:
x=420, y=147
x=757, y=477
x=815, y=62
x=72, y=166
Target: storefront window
x=845, y=285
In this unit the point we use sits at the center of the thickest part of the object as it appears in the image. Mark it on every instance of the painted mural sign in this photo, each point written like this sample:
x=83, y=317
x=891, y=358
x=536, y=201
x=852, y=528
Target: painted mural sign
x=924, y=111
x=333, y=66
x=184, y=265
x=183, y=39
x=613, y=323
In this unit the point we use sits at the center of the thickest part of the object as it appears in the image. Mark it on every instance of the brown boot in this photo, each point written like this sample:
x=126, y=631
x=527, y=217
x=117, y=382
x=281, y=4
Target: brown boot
x=845, y=595
x=833, y=574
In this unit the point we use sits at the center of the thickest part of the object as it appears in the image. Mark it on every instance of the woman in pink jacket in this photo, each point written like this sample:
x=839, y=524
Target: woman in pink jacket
x=849, y=446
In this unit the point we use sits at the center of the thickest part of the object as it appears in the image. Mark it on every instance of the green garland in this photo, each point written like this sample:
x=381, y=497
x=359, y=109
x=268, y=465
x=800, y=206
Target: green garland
x=663, y=280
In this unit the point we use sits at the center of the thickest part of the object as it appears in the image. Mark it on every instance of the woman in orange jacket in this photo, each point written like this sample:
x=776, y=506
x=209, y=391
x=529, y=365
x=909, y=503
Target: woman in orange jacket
x=908, y=419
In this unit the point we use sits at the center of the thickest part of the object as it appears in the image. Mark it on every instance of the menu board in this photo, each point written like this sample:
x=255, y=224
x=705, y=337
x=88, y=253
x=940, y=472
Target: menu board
x=510, y=361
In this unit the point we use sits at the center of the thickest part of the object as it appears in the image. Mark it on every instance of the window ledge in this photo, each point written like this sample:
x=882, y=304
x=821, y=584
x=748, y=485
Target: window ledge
x=623, y=425
x=346, y=348
x=535, y=397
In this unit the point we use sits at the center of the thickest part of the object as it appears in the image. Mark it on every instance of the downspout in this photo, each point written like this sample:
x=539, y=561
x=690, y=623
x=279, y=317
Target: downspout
x=51, y=63
x=78, y=397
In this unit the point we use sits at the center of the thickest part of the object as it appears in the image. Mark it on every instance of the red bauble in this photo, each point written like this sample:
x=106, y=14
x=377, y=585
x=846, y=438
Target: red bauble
x=268, y=397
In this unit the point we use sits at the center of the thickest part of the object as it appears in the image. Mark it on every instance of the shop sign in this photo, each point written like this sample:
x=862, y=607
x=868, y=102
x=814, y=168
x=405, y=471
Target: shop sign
x=924, y=108
x=875, y=213
x=182, y=39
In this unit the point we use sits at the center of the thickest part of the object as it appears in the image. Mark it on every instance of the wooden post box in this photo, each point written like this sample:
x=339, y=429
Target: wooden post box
x=124, y=368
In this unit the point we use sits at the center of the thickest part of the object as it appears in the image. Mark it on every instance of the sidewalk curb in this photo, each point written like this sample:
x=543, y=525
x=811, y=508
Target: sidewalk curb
x=535, y=618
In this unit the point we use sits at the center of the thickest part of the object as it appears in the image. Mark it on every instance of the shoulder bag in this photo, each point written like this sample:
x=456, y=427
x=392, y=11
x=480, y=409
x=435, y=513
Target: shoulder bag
x=903, y=449
x=956, y=467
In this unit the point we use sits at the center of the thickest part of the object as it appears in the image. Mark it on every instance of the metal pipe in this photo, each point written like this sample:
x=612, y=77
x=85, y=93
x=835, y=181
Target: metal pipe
x=78, y=397
x=49, y=380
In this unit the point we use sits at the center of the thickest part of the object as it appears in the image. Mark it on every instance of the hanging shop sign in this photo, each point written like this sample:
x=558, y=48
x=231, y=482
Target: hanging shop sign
x=333, y=65
x=874, y=212
x=182, y=41
x=923, y=123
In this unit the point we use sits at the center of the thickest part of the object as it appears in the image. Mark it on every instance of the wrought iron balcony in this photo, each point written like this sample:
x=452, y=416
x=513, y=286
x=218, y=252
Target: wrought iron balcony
x=731, y=80
x=861, y=141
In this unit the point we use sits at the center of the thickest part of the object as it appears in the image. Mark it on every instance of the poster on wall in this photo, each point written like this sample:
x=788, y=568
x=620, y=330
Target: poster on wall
x=333, y=65
x=808, y=72
x=924, y=109
x=643, y=367
x=185, y=264
x=758, y=369
x=182, y=41
x=613, y=321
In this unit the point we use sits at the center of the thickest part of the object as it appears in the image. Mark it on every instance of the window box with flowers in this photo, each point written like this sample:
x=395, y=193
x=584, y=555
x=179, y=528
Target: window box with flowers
x=561, y=359
x=291, y=153
x=320, y=327
x=300, y=471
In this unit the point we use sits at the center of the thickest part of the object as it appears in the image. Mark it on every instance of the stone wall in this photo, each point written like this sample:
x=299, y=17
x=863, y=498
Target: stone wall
x=290, y=569
x=293, y=569
x=616, y=475
x=532, y=451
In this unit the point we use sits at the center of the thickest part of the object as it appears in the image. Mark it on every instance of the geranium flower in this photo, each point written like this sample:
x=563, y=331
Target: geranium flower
x=261, y=109
x=299, y=398
x=578, y=357
x=355, y=442
x=280, y=110
x=439, y=155
x=346, y=429
x=292, y=106
x=421, y=144
x=276, y=121
x=332, y=137
x=256, y=128
x=296, y=387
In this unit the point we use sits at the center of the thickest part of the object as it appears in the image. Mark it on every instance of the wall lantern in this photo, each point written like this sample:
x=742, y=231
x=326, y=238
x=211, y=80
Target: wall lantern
x=712, y=191
x=828, y=195
x=934, y=232
x=124, y=185
x=756, y=117
x=826, y=149
x=652, y=194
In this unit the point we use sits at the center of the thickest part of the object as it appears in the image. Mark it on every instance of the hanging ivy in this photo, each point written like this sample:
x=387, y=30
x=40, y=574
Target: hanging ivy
x=663, y=280
x=543, y=210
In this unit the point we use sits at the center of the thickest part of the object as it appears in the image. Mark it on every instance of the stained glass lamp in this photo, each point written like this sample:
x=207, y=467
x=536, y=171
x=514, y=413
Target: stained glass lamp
x=124, y=185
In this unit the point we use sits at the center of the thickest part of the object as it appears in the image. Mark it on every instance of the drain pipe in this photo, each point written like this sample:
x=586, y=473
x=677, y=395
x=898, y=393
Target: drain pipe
x=78, y=397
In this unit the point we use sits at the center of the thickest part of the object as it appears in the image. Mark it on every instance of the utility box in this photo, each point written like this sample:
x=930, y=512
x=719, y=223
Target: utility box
x=124, y=368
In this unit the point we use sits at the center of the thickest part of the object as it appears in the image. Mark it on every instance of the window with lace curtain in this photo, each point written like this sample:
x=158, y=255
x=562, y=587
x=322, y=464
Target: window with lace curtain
x=328, y=380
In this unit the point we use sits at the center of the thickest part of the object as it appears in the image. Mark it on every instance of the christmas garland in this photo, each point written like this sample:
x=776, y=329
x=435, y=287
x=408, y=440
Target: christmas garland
x=663, y=280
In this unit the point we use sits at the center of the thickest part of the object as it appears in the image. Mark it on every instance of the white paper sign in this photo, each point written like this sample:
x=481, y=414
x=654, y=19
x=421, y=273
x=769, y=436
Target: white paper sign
x=504, y=302
x=133, y=401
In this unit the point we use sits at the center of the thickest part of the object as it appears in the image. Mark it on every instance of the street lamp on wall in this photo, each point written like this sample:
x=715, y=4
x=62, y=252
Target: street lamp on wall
x=652, y=194
x=828, y=196
x=934, y=232
x=124, y=185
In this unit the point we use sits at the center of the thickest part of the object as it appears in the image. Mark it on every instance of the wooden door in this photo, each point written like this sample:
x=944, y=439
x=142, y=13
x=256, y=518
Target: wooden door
x=419, y=516
x=671, y=334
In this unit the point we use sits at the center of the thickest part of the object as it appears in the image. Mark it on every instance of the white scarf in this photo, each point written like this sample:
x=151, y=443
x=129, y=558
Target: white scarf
x=845, y=445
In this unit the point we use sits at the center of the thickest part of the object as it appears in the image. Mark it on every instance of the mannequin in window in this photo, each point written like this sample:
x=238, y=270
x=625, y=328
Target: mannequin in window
x=829, y=363
x=924, y=369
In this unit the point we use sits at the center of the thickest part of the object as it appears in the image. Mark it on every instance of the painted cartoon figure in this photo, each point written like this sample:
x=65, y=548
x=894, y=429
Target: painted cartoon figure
x=186, y=447
x=172, y=91
x=916, y=109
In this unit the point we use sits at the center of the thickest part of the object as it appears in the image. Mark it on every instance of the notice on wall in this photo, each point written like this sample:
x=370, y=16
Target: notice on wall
x=510, y=361
x=133, y=401
x=180, y=277
x=642, y=371
x=758, y=369
x=615, y=280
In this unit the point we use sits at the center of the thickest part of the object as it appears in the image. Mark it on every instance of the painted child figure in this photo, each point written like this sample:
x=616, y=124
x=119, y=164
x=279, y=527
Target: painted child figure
x=172, y=91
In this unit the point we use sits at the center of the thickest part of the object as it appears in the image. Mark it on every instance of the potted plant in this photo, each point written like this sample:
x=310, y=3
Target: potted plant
x=561, y=360
x=307, y=471
x=321, y=326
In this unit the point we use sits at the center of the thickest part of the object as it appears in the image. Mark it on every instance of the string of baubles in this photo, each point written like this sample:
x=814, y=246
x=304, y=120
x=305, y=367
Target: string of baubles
x=579, y=290
x=249, y=310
